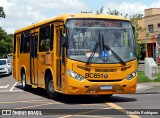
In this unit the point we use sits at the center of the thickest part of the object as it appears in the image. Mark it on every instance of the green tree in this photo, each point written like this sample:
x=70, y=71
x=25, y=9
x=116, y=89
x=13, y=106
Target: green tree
x=100, y=11
x=115, y=12
x=5, y=43
x=2, y=13
x=138, y=29
x=134, y=20
x=5, y=39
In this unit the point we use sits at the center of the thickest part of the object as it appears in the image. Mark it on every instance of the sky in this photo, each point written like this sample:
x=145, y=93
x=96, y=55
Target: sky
x=21, y=13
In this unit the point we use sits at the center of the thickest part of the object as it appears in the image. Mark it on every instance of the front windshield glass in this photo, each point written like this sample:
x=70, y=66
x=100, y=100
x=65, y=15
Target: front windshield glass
x=2, y=62
x=84, y=34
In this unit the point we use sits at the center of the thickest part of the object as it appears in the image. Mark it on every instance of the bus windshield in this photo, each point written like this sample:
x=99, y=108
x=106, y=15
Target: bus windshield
x=89, y=37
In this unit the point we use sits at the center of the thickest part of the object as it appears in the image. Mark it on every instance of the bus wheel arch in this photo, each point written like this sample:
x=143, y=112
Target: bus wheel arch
x=49, y=86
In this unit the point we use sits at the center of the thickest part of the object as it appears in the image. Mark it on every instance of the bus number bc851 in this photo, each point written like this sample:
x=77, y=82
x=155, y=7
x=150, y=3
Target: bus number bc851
x=95, y=75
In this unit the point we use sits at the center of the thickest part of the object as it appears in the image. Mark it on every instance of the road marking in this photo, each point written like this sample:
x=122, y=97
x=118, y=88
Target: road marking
x=121, y=110
x=66, y=116
x=91, y=116
x=85, y=113
x=93, y=104
x=4, y=86
x=36, y=105
x=22, y=101
x=4, y=91
x=13, y=86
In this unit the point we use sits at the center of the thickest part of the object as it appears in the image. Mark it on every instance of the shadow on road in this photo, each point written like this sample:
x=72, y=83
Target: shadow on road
x=1, y=76
x=80, y=99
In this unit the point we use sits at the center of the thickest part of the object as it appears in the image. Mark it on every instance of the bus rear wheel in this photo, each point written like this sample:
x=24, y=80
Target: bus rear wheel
x=51, y=94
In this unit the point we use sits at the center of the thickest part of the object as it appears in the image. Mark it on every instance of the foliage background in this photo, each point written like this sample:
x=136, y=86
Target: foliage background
x=5, y=39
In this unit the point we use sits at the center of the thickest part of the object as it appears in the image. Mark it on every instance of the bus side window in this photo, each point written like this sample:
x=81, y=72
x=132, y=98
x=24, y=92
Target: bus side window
x=25, y=42
x=52, y=37
x=44, y=44
x=14, y=45
x=21, y=43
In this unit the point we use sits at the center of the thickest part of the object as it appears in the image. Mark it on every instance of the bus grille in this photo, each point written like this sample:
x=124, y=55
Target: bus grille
x=118, y=80
x=106, y=70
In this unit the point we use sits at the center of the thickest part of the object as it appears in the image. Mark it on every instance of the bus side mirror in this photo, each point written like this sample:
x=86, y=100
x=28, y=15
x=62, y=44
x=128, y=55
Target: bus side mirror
x=133, y=29
x=63, y=40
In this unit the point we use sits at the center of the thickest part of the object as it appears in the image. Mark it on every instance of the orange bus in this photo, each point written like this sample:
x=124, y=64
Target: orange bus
x=77, y=54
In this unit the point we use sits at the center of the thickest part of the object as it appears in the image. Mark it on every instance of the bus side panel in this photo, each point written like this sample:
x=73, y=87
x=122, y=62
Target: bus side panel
x=41, y=67
x=16, y=57
x=25, y=62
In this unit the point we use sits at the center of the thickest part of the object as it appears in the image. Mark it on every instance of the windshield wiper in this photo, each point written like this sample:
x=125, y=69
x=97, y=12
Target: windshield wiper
x=94, y=50
x=113, y=52
x=102, y=46
x=92, y=54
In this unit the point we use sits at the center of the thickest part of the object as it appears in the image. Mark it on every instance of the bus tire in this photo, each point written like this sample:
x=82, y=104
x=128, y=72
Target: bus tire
x=23, y=81
x=51, y=94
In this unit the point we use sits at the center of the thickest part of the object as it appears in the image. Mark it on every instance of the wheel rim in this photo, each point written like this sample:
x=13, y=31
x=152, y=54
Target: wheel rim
x=50, y=86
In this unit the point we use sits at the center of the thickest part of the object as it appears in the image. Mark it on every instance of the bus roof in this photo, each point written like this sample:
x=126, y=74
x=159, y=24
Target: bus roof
x=64, y=17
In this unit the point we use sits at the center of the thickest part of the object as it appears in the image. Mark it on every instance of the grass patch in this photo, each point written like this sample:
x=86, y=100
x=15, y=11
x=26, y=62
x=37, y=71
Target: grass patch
x=142, y=78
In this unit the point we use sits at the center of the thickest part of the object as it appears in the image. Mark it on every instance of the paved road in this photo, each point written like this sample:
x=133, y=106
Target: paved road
x=13, y=97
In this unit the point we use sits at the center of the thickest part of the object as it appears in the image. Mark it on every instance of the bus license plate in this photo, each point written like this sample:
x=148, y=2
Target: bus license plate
x=106, y=87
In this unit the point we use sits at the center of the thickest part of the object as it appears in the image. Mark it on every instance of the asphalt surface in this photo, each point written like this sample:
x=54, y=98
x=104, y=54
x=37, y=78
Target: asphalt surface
x=12, y=97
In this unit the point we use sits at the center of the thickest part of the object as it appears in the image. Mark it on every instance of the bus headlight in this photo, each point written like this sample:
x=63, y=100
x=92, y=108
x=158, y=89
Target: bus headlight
x=130, y=76
x=75, y=75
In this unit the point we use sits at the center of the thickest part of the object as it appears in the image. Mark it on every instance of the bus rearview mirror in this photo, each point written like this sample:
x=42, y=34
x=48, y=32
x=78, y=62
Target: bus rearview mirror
x=133, y=29
x=63, y=40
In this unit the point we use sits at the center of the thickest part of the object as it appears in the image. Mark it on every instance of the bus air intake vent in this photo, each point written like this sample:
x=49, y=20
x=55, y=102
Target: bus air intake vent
x=84, y=68
x=106, y=70
x=125, y=68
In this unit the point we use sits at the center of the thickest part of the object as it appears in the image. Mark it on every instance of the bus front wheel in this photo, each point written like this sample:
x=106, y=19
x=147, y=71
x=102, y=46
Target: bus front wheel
x=23, y=81
x=51, y=94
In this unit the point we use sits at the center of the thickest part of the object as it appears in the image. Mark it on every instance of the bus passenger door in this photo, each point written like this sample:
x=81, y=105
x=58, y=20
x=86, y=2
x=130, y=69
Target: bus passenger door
x=16, y=52
x=59, y=65
x=33, y=59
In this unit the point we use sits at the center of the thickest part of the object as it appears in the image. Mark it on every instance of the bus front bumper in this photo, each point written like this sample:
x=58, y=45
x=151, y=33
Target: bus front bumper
x=75, y=87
